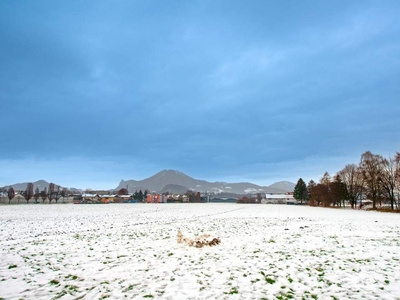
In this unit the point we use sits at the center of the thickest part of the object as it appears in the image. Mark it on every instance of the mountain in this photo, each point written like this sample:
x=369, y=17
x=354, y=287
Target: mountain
x=170, y=178
x=283, y=185
x=41, y=184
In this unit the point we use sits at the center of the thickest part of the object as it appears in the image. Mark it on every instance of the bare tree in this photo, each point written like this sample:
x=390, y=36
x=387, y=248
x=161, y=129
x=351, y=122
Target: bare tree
x=10, y=194
x=51, y=191
x=64, y=193
x=36, y=195
x=388, y=179
x=397, y=176
x=57, y=193
x=325, y=179
x=371, y=169
x=43, y=194
x=352, y=177
x=28, y=192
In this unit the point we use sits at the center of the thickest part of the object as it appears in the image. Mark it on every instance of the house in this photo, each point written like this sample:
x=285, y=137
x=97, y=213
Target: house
x=122, y=198
x=279, y=199
x=91, y=198
x=107, y=199
x=153, y=198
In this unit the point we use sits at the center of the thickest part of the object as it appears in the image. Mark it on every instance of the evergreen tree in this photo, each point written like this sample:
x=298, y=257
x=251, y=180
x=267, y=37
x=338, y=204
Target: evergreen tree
x=300, y=190
x=310, y=187
x=140, y=196
x=145, y=195
x=339, y=191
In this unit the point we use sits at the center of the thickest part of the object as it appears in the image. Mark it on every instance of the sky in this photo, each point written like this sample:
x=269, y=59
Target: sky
x=98, y=91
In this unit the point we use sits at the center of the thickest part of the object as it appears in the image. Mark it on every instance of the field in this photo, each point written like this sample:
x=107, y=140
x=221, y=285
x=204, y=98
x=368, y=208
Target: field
x=127, y=251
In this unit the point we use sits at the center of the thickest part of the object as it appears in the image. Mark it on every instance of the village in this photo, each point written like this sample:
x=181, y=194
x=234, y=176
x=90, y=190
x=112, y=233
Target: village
x=188, y=197
x=123, y=196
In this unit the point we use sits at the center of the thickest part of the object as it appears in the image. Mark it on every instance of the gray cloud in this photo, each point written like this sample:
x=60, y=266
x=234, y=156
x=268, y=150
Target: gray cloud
x=253, y=91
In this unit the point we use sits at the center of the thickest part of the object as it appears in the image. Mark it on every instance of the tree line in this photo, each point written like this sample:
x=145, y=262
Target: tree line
x=54, y=192
x=375, y=178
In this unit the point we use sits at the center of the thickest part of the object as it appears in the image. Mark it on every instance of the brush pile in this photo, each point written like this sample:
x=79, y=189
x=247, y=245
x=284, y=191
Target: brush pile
x=198, y=242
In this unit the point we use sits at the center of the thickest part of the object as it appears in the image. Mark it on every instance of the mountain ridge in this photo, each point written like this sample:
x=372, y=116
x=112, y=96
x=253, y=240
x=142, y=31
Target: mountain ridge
x=177, y=182
x=159, y=182
x=41, y=184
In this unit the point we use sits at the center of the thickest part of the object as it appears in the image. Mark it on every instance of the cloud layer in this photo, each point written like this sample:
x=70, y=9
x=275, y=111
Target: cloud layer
x=217, y=89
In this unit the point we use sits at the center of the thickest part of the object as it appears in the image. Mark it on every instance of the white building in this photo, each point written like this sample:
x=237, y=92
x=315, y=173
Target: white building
x=279, y=199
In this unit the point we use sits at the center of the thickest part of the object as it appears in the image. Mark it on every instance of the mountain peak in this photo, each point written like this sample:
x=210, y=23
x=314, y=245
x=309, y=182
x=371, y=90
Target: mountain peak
x=174, y=178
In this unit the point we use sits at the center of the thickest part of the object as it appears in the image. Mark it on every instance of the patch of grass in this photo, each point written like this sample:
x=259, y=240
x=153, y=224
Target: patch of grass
x=148, y=296
x=59, y=295
x=71, y=288
x=285, y=296
x=269, y=278
x=129, y=288
x=54, y=282
x=233, y=291
x=72, y=277
x=12, y=266
x=386, y=209
x=254, y=281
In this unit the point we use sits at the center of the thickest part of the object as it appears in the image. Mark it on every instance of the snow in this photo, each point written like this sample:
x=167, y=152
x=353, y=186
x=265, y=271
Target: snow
x=119, y=251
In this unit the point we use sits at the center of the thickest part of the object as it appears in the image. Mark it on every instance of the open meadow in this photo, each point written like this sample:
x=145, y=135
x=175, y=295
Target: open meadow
x=129, y=251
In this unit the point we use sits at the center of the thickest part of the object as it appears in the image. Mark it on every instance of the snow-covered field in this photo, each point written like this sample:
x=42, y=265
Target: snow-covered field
x=126, y=251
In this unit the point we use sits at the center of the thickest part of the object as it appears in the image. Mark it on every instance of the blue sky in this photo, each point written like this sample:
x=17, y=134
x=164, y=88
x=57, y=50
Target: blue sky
x=98, y=91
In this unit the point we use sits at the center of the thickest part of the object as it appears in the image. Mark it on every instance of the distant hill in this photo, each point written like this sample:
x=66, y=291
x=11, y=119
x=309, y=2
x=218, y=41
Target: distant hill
x=41, y=184
x=177, y=182
x=283, y=185
x=172, y=179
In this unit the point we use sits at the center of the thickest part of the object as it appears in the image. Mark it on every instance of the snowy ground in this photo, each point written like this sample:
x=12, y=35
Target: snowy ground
x=126, y=251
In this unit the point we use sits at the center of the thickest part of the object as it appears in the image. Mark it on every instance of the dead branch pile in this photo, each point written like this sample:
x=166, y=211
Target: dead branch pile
x=198, y=242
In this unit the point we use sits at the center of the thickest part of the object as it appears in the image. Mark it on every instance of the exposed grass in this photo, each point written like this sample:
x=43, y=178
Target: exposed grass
x=54, y=282
x=386, y=209
x=269, y=278
x=233, y=291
